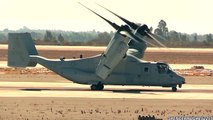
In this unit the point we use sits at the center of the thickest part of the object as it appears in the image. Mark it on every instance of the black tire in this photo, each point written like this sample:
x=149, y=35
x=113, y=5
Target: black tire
x=97, y=87
x=180, y=85
x=174, y=89
x=93, y=87
x=100, y=87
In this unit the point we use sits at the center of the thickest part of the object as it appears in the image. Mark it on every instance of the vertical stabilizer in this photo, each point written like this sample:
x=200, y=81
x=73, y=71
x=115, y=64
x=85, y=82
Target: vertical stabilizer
x=20, y=46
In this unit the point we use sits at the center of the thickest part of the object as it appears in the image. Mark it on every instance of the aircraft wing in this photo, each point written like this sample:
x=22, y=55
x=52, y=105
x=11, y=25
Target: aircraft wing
x=137, y=49
x=115, y=52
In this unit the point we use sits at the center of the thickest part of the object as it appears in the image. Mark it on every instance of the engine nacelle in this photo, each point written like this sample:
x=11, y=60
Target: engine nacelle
x=115, y=52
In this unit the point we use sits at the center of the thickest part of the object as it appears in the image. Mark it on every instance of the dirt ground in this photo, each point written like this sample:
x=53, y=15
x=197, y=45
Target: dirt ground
x=170, y=55
x=83, y=108
x=67, y=108
x=99, y=109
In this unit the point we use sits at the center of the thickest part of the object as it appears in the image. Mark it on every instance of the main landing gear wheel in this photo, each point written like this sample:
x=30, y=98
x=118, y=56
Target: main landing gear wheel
x=98, y=86
x=174, y=89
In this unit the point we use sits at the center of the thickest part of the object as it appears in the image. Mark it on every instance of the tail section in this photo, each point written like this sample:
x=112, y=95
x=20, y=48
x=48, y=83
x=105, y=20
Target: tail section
x=20, y=46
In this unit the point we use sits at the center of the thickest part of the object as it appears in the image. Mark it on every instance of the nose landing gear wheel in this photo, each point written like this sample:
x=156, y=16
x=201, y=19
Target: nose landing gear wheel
x=174, y=89
x=97, y=87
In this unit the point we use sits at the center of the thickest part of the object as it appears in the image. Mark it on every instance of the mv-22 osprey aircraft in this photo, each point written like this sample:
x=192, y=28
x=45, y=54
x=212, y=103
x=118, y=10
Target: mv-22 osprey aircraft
x=119, y=64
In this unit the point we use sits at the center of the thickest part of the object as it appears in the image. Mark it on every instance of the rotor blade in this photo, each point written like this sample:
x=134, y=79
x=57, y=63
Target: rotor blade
x=115, y=26
x=137, y=37
x=152, y=37
x=126, y=31
x=160, y=37
x=141, y=37
x=131, y=24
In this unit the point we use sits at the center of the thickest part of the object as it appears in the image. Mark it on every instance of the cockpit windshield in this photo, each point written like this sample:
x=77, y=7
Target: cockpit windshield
x=163, y=68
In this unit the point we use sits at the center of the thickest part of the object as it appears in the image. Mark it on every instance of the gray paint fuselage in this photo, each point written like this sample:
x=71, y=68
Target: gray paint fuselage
x=131, y=71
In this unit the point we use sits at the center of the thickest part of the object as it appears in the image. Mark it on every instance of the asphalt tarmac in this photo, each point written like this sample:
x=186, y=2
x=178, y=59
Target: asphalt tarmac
x=48, y=89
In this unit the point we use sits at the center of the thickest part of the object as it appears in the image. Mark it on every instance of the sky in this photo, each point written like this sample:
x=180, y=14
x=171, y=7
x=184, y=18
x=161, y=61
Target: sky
x=186, y=16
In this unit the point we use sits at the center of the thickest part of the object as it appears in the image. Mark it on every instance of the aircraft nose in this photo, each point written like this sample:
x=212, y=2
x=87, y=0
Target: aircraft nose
x=181, y=80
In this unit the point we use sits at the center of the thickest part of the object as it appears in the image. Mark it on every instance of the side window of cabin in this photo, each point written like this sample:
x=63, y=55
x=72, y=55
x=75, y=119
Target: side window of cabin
x=146, y=69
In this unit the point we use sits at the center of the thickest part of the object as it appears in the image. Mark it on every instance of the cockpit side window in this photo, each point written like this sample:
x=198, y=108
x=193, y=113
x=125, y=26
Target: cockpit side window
x=162, y=68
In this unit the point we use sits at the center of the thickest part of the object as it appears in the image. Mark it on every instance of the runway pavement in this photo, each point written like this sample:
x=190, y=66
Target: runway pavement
x=48, y=89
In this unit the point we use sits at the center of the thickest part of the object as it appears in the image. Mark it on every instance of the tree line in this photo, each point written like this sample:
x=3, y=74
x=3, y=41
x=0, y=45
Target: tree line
x=58, y=37
x=177, y=39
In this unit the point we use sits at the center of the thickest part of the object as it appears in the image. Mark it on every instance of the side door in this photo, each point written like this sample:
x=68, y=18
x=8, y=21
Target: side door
x=132, y=70
x=145, y=74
